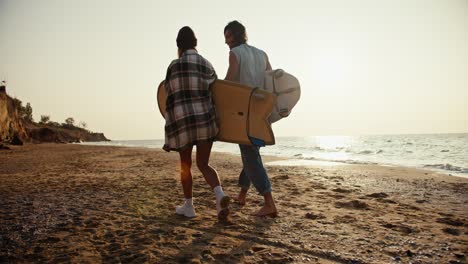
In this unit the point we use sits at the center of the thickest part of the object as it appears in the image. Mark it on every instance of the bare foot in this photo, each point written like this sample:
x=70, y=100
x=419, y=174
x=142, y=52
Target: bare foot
x=269, y=211
x=241, y=198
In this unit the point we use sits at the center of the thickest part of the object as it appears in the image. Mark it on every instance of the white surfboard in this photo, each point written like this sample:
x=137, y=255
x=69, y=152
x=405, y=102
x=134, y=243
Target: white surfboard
x=287, y=89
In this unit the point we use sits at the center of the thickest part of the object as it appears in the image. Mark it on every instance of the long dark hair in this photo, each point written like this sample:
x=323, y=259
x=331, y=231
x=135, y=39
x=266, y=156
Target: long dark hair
x=186, y=39
x=238, y=31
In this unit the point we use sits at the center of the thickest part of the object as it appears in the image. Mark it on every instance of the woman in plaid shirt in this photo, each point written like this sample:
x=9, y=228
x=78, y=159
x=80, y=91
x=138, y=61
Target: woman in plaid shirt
x=191, y=119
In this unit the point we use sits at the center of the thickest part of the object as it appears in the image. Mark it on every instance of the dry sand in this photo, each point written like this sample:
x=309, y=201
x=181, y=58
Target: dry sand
x=89, y=204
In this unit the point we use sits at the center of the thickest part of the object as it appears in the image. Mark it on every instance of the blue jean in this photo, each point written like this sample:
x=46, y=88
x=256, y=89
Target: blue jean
x=253, y=170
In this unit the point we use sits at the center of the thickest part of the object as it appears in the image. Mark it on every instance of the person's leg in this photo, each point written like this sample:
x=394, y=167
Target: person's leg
x=244, y=181
x=186, y=179
x=203, y=158
x=211, y=177
x=186, y=172
x=253, y=167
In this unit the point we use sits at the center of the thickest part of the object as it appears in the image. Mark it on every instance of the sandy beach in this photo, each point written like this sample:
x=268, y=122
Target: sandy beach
x=91, y=204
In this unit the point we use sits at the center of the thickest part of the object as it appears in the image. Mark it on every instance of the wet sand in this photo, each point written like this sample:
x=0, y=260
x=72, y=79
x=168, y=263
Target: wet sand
x=90, y=204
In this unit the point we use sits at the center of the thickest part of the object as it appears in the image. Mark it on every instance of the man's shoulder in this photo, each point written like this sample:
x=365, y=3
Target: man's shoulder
x=246, y=46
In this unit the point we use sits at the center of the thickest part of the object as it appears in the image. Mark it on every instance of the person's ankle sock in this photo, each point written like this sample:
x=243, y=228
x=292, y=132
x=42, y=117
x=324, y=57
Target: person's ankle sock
x=218, y=190
x=189, y=202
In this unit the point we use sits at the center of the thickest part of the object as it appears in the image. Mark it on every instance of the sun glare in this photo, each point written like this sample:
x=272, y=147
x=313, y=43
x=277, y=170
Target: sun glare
x=334, y=146
x=333, y=142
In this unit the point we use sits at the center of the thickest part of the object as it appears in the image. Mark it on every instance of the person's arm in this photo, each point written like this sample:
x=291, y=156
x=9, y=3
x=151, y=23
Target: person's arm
x=268, y=65
x=233, y=68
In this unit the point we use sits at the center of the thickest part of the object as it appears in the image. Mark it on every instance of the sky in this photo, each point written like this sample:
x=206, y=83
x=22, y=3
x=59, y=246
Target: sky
x=365, y=66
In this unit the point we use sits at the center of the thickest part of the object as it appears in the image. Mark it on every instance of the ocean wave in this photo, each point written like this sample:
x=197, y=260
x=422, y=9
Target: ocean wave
x=359, y=162
x=447, y=166
x=349, y=161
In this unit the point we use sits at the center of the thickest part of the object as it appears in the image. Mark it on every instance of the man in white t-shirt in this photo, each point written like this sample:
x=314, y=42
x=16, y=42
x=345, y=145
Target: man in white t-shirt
x=247, y=65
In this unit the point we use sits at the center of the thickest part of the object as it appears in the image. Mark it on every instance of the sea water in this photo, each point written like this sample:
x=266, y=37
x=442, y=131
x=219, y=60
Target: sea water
x=446, y=153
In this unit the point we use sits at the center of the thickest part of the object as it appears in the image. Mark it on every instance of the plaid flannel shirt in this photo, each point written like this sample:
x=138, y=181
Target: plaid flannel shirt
x=190, y=112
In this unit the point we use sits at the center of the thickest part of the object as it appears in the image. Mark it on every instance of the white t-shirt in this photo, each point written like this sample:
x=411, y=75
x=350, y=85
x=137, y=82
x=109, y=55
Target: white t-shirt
x=252, y=65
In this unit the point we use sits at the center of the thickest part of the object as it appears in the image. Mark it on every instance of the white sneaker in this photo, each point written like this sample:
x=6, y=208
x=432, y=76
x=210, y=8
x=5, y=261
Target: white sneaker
x=186, y=210
x=222, y=207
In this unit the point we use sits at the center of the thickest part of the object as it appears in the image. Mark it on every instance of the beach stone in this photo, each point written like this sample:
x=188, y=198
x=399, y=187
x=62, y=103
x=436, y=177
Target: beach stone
x=313, y=216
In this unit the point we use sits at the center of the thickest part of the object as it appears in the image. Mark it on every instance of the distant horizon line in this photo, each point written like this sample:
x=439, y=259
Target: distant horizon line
x=404, y=134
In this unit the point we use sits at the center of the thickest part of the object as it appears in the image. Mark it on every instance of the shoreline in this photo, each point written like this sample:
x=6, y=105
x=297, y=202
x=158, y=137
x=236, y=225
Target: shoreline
x=294, y=161
x=82, y=203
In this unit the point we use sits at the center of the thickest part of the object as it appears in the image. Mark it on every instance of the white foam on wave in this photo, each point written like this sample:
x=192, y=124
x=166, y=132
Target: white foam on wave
x=304, y=162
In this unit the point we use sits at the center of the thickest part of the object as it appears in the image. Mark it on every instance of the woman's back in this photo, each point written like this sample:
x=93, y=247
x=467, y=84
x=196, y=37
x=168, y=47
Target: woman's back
x=190, y=113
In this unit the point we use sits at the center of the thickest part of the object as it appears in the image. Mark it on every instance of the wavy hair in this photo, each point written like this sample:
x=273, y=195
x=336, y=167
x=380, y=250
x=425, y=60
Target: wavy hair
x=238, y=31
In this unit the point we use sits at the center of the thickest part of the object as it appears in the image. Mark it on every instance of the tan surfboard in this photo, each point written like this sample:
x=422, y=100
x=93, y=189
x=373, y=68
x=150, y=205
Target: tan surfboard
x=242, y=112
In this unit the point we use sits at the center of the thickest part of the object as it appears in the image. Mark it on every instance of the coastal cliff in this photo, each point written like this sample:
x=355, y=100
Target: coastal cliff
x=12, y=129
x=15, y=129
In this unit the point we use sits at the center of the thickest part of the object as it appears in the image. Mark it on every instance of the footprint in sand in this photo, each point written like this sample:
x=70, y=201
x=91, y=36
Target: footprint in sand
x=341, y=190
x=61, y=258
x=354, y=204
x=452, y=231
x=92, y=223
x=340, y=219
x=90, y=230
x=319, y=186
x=409, y=207
x=378, y=195
x=51, y=240
x=400, y=228
x=337, y=196
x=113, y=247
x=450, y=221
x=422, y=201
x=281, y=177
